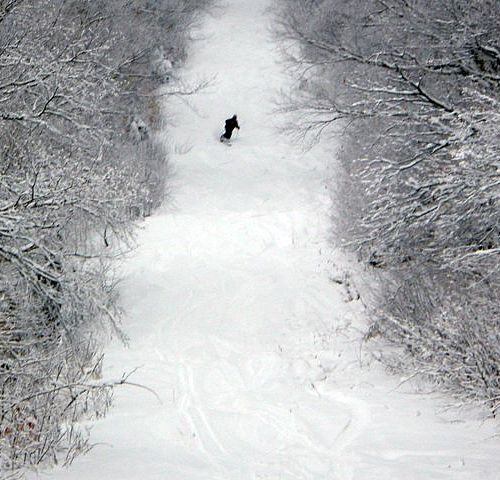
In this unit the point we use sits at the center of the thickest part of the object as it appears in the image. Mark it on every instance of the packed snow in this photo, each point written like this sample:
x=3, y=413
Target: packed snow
x=248, y=356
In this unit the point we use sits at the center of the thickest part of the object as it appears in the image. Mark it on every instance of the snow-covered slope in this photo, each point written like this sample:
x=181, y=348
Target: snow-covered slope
x=234, y=323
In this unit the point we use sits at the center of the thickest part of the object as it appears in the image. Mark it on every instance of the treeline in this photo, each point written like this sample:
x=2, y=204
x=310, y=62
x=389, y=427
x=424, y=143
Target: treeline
x=411, y=92
x=80, y=160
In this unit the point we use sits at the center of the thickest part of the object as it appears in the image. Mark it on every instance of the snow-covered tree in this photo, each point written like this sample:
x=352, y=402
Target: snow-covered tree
x=414, y=87
x=73, y=77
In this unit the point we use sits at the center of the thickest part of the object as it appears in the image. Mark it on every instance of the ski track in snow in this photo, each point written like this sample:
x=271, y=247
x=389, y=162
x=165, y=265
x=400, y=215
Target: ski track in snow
x=234, y=322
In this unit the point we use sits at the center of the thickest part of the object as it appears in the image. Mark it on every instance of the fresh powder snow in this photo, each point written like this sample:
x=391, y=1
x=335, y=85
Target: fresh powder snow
x=249, y=353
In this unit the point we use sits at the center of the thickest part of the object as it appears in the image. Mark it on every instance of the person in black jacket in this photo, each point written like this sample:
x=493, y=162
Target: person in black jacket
x=231, y=124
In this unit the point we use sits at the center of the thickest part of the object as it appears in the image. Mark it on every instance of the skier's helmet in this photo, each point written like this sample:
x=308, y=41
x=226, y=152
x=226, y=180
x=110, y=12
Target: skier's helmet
x=234, y=116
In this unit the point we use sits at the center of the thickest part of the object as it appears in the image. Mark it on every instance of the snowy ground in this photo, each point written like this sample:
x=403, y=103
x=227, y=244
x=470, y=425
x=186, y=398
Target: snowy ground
x=234, y=323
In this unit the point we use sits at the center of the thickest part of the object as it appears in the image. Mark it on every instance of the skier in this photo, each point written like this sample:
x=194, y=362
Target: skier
x=231, y=124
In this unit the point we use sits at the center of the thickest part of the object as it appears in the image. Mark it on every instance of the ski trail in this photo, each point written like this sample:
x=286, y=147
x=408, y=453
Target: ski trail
x=203, y=422
x=233, y=320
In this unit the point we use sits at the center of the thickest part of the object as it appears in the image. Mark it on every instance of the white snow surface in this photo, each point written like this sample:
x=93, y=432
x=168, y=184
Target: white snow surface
x=252, y=350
